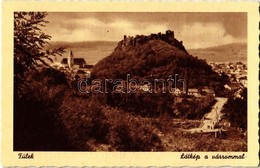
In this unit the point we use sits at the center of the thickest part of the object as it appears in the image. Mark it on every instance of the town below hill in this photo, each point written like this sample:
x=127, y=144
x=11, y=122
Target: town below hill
x=235, y=70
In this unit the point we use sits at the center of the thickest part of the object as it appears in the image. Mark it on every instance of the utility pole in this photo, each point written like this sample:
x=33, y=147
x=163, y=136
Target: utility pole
x=216, y=108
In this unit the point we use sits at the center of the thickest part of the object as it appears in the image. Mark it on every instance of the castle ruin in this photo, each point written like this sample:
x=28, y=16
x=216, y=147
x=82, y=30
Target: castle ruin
x=141, y=39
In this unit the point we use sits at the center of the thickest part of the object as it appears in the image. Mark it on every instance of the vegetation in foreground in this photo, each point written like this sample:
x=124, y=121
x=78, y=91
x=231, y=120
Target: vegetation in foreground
x=63, y=119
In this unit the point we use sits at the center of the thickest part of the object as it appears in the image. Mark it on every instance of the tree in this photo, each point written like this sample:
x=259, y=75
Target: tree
x=224, y=78
x=236, y=110
x=37, y=93
x=29, y=42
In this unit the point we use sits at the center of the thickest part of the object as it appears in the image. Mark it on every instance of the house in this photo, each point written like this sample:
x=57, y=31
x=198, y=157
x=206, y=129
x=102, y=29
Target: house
x=238, y=93
x=77, y=62
x=57, y=65
x=193, y=92
x=177, y=91
x=234, y=86
x=243, y=81
x=227, y=87
x=208, y=91
x=81, y=73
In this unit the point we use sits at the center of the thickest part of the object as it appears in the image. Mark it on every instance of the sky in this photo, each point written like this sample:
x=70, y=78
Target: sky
x=196, y=30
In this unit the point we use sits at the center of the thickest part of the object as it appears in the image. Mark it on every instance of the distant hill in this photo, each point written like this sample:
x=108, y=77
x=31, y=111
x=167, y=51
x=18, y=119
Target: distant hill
x=91, y=51
x=233, y=52
x=94, y=51
x=155, y=56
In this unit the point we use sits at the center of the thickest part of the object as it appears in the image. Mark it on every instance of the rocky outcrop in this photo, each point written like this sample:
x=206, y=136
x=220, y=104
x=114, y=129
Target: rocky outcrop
x=168, y=37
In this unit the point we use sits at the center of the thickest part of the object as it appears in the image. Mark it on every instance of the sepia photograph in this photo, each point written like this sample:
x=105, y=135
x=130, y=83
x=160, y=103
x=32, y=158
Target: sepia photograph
x=130, y=81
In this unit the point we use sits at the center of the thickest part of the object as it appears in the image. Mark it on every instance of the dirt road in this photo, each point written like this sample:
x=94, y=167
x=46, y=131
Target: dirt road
x=211, y=119
x=215, y=114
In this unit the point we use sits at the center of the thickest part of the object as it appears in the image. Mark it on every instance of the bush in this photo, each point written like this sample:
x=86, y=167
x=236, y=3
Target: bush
x=50, y=115
x=129, y=133
x=194, y=108
x=143, y=104
x=35, y=124
x=91, y=124
x=236, y=110
x=84, y=120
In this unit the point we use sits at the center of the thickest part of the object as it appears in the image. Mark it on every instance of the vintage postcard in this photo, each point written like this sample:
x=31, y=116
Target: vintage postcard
x=130, y=83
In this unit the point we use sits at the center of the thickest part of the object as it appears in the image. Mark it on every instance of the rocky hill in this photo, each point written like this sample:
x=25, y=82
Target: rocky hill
x=155, y=56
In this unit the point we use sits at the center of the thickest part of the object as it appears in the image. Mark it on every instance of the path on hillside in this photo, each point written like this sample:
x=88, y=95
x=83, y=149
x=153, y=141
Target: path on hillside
x=216, y=109
x=211, y=119
x=179, y=138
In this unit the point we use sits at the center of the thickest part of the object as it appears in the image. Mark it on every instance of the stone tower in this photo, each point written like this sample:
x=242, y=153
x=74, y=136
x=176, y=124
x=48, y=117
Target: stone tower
x=70, y=59
x=170, y=33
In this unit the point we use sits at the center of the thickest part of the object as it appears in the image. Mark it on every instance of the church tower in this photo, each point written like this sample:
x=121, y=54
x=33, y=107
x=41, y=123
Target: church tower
x=71, y=60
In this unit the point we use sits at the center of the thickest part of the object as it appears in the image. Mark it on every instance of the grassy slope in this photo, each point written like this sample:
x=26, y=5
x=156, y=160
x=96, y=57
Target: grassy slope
x=176, y=139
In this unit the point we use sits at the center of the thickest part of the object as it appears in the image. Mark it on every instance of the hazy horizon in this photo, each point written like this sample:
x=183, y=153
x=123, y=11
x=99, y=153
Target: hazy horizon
x=94, y=51
x=69, y=42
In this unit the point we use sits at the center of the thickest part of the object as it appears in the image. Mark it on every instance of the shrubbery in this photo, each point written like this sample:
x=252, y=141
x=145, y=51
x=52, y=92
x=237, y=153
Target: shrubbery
x=129, y=133
x=83, y=120
x=194, y=108
x=35, y=124
x=52, y=113
x=144, y=104
x=65, y=119
x=90, y=124
x=236, y=110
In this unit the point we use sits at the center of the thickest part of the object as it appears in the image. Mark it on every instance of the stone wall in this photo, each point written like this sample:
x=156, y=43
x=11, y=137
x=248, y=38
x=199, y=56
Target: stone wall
x=141, y=39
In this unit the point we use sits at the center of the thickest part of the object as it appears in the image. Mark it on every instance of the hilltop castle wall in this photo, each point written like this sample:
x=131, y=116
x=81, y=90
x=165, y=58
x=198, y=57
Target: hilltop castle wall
x=141, y=39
